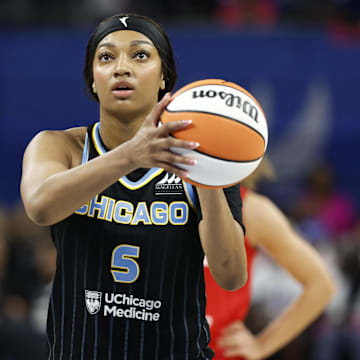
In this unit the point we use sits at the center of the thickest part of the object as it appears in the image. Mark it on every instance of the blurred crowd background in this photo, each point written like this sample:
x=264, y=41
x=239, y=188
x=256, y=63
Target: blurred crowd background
x=300, y=58
x=226, y=12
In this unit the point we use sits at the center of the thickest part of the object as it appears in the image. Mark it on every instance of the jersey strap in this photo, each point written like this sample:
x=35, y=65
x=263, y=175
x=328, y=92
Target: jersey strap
x=85, y=154
x=125, y=181
x=190, y=194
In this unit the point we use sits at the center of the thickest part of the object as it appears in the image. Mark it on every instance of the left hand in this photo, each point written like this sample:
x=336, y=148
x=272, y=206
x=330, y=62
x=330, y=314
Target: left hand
x=237, y=340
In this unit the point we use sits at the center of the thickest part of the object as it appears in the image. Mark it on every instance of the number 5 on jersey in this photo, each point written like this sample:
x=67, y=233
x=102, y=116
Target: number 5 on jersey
x=122, y=259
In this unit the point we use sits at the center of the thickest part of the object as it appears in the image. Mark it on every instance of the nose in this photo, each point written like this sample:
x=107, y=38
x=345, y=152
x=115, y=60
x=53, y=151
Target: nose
x=122, y=66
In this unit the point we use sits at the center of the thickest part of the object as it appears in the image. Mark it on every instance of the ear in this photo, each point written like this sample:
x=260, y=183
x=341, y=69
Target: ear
x=94, y=87
x=162, y=82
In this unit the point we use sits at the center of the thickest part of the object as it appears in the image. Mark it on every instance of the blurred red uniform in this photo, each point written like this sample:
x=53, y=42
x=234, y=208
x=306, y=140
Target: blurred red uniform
x=224, y=307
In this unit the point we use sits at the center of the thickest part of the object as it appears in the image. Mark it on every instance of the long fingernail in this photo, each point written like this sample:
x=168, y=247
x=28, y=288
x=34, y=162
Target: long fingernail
x=194, y=144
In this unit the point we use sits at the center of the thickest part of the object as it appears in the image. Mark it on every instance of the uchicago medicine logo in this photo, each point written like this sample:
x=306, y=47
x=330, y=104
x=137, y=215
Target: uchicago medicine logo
x=93, y=301
x=122, y=306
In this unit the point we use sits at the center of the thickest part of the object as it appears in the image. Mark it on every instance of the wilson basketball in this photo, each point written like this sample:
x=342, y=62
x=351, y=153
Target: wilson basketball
x=230, y=126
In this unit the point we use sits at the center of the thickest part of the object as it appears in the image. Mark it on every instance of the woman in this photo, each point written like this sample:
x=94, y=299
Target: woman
x=268, y=228
x=129, y=281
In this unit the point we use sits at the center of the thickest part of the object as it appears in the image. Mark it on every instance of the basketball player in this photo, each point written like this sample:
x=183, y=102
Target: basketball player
x=268, y=228
x=130, y=235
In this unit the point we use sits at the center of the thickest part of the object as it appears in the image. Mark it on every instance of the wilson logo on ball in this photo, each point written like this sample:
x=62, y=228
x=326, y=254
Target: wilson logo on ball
x=230, y=100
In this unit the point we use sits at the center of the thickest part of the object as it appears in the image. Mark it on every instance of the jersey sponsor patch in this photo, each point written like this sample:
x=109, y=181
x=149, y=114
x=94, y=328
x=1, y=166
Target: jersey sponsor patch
x=123, y=306
x=93, y=301
x=170, y=184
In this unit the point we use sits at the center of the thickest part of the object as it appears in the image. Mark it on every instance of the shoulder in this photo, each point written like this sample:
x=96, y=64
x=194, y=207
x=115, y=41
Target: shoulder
x=72, y=136
x=69, y=141
x=258, y=206
x=262, y=217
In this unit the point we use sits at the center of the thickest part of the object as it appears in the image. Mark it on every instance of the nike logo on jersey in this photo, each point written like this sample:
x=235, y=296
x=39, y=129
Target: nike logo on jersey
x=170, y=184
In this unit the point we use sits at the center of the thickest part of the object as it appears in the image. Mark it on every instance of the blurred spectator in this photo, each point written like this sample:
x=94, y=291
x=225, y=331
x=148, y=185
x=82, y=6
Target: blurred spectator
x=19, y=341
x=342, y=15
x=348, y=12
x=327, y=216
x=247, y=12
x=175, y=11
x=322, y=211
x=30, y=269
x=3, y=252
x=45, y=264
x=21, y=279
x=306, y=12
x=345, y=24
x=348, y=251
x=18, y=338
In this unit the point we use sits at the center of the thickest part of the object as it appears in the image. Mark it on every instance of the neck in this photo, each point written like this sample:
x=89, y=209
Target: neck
x=114, y=131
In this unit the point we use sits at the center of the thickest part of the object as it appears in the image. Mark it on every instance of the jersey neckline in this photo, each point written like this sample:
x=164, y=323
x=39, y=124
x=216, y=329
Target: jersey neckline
x=125, y=181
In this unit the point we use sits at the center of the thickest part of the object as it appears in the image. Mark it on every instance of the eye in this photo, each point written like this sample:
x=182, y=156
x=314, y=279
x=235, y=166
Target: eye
x=142, y=55
x=105, y=57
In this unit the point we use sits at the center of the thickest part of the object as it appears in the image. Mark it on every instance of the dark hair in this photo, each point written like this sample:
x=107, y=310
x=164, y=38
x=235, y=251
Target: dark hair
x=138, y=23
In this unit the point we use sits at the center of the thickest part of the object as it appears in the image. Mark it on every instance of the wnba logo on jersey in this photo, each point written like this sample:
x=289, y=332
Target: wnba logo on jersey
x=93, y=301
x=169, y=185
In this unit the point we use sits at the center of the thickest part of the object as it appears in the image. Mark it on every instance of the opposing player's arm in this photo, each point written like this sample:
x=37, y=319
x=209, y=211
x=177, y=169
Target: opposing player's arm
x=222, y=239
x=296, y=256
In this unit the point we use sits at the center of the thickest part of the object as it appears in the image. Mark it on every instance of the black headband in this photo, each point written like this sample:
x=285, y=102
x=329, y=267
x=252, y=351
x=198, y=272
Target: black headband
x=131, y=22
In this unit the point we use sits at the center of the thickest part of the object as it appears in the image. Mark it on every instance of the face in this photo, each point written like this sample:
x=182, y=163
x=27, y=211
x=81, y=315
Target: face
x=127, y=72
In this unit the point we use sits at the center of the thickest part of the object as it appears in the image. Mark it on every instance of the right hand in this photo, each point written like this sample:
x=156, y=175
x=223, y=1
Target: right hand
x=238, y=341
x=150, y=147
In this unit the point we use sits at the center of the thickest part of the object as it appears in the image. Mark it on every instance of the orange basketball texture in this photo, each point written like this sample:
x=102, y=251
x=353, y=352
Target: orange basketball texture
x=227, y=121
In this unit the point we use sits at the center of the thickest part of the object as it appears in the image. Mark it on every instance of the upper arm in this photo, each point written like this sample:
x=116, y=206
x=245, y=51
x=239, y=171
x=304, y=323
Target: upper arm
x=47, y=154
x=270, y=229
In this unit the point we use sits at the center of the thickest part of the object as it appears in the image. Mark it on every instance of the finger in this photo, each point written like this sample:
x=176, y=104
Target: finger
x=153, y=117
x=173, y=126
x=176, y=159
x=234, y=351
x=171, y=142
x=181, y=173
x=229, y=341
x=234, y=327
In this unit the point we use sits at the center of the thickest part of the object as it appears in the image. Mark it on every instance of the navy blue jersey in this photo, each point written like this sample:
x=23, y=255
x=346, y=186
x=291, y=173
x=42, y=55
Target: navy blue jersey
x=129, y=282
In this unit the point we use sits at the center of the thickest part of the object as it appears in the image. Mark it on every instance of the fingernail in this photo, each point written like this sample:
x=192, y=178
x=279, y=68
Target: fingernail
x=192, y=162
x=185, y=174
x=194, y=144
x=187, y=121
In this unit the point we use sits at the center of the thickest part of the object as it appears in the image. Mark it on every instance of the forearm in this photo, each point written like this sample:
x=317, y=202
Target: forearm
x=62, y=193
x=296, y=317
x=222, y=239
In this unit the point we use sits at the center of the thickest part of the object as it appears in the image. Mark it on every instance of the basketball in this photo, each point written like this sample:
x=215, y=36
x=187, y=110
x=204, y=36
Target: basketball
x=230, y=126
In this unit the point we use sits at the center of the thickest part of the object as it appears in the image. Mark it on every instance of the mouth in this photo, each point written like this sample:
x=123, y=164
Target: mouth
x=122, y=90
